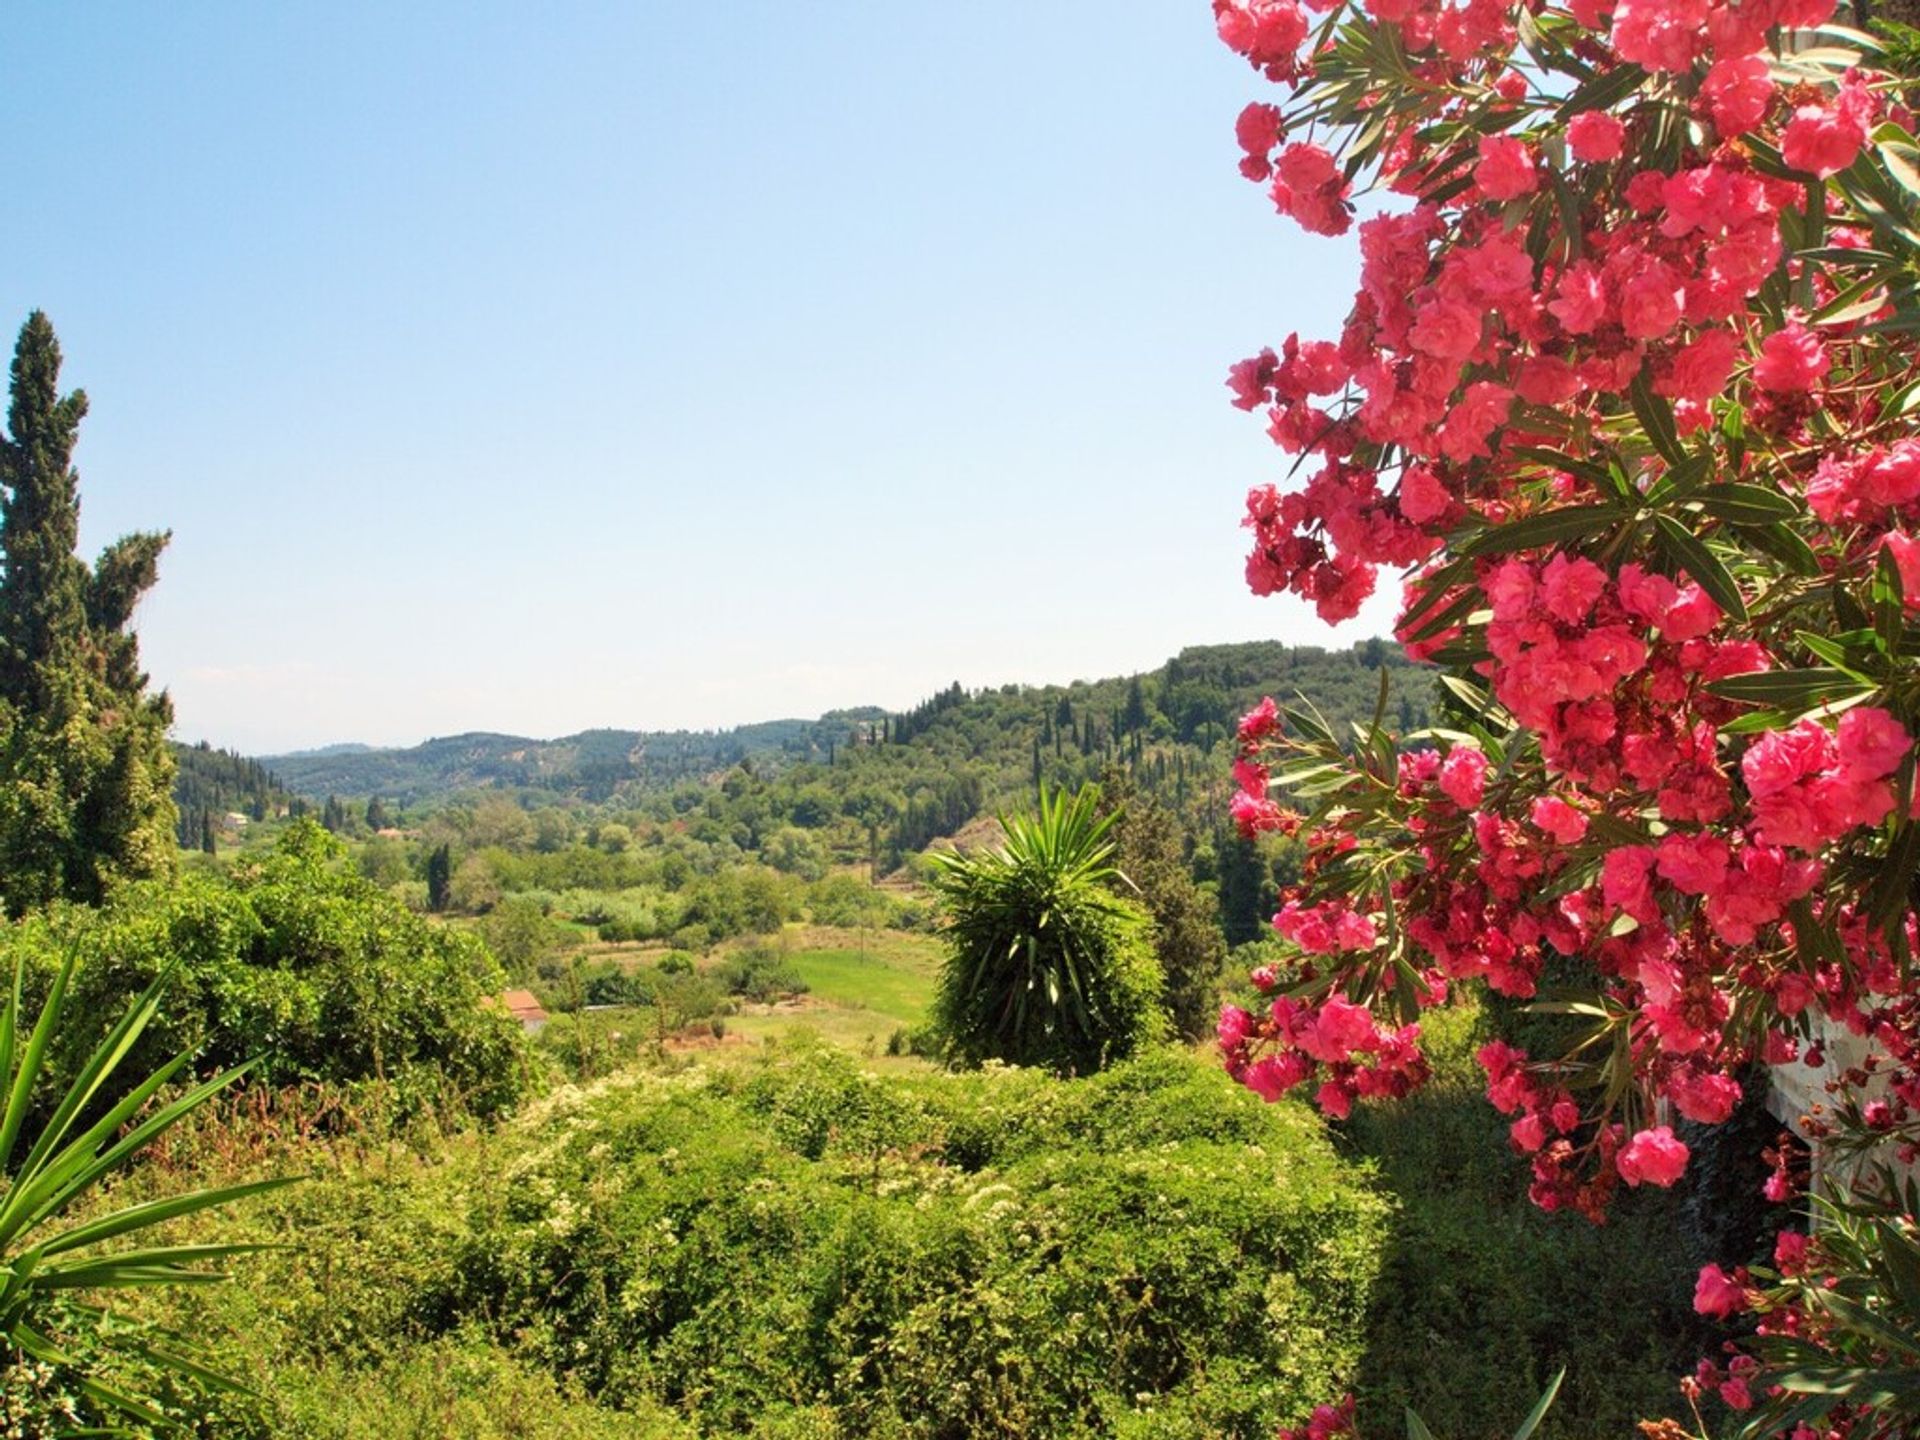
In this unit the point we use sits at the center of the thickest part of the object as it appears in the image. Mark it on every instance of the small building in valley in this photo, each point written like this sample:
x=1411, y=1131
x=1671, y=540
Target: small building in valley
x=521, y=1005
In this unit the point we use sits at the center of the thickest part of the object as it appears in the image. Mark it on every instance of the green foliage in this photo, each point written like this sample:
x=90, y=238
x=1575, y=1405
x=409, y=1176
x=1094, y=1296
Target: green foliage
x=1186, y=933
x=85, y=770
x=1417, y=1428
x=210, y=783
x=440, y=879
x=951, y=1256
x=66, y=1359
x=300, y=962
x=861, y=785
x=609, y=983
x=1046, y=965
x=850, y=903
x=521, y=936
x=459, y=1385
x=1507, y=1293
x=1862, y=1299
x=759, y=973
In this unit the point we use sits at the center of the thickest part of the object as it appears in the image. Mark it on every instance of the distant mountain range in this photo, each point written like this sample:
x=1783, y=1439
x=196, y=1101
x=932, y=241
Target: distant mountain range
x=593, y=763
x=1196, y=696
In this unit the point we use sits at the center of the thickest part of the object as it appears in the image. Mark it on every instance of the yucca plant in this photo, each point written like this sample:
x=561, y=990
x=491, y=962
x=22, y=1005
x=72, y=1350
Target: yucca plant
x=1046, y=964
x=52, y=1263
x=1417, y=1428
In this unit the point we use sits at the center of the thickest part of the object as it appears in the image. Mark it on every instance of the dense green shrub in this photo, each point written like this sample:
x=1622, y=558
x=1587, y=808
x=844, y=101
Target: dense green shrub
x=607, y=982
x=521, y=934
x=849, y=902
x=297, y=961
x=760, y=974
x=988, y=1254
x=462, y=1385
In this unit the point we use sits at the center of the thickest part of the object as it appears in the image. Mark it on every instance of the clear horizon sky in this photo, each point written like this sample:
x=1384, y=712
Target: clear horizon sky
x=534, y=368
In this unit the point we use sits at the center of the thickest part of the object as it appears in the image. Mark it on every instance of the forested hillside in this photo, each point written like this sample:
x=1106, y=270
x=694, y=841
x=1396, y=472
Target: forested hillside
x=985, y=743
x=209, y=785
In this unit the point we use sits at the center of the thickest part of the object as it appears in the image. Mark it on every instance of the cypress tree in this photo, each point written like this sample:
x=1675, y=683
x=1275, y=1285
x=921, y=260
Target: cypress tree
x=1246, y=892
x=1186, y=932
x=206, y=833
x=439, y=878
x=86, y=773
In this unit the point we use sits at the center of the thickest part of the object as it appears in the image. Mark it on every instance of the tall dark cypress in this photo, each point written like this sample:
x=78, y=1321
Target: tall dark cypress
x=43, y=591
x=86, y=773
x=439, y=879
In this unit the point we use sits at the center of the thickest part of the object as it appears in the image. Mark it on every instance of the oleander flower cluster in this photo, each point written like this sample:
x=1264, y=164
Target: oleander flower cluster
x=1626, y=401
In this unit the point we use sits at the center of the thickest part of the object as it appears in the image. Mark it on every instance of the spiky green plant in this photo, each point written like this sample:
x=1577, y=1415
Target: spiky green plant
x=51, y=1262
x=1417, y=1428
x=1046, y=964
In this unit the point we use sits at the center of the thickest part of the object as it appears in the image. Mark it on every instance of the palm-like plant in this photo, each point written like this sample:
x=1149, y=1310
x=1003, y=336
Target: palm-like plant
x=48, y=1259
x=1417, y=1428
x=1046, y=964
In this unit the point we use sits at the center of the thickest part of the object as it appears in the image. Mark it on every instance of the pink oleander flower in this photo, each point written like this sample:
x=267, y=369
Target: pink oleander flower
x=1559, y=819
x=1790, y=1252
x=1325, y=929
x=1660, y=34
x=1792, y=361
x=1718, y=1294
x=1255, y=814
x=1596, y=137
x=1234, y=1027
x=1650, y=300
x=1652, y=1157
x=1707, y=1098
x=1737, y=92
x=1260, y=722
x=1824, y=139
x=1339, y=1030
x=1423, y=499
x=1626, y=881
x=1268, y=32
x=1258, y=130
x=1447, y=330
x=1309, y=187
x=1870, y=742
x=1505, y=170
x=1528, y=1133
x=1699, y=370
x=1334, y=1099
x=1274, y=1076
x=1694, y=862
x=1463, y=776
x=1570, y=587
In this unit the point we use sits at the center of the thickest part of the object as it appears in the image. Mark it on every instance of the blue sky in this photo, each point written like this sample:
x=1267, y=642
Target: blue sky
x=532, y=368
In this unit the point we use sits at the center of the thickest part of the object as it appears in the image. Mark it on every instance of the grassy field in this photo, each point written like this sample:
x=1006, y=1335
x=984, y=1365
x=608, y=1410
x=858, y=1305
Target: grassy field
x=862, y=986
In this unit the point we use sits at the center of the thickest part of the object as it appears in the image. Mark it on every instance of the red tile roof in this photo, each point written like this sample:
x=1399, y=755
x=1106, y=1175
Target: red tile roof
x=522, y=1006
